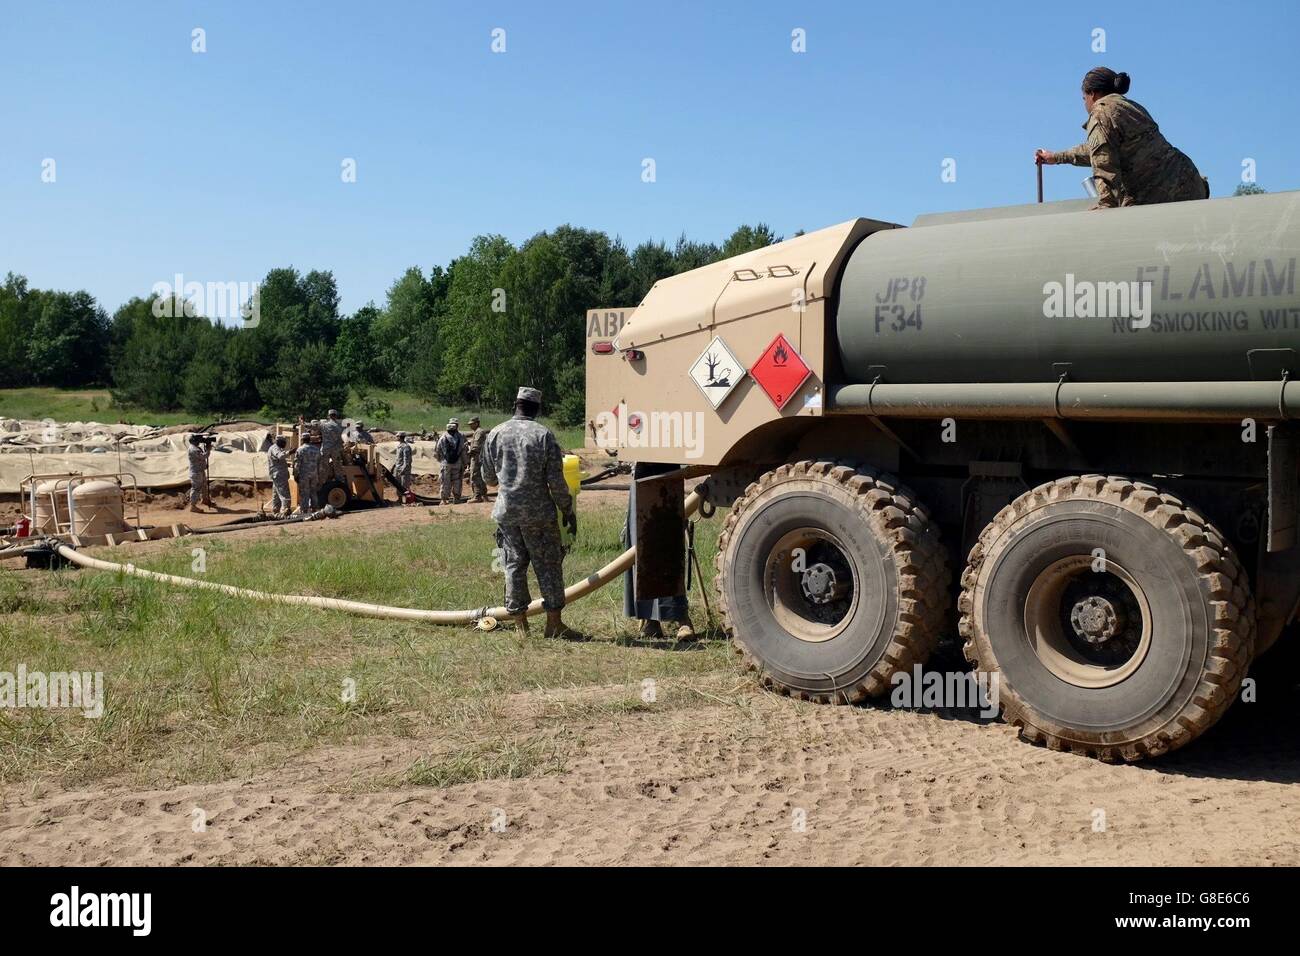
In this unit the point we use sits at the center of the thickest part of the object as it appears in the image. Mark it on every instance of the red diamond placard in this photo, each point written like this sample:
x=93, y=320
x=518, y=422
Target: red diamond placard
x=780, y=371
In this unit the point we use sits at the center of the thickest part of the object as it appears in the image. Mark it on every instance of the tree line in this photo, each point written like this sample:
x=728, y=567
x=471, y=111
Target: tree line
x=469, y=333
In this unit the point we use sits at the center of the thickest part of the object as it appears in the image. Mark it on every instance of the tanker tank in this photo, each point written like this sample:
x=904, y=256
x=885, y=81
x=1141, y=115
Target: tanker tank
x=1180, y=292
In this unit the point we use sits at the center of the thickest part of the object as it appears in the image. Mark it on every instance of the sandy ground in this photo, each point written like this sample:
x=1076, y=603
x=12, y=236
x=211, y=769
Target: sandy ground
x=715, y=783
x=722, y=785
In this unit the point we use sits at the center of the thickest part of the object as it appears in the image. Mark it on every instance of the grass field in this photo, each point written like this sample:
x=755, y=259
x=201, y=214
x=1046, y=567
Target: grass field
x=201, y=686
x=408, y=412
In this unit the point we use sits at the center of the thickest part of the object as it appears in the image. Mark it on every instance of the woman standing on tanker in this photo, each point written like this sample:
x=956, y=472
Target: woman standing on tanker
x=1132, y=163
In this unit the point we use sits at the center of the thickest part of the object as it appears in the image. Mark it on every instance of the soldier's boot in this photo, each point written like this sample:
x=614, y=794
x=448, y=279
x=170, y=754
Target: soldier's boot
x=555, y=627
x=685, y=632
x=650, y=629
x=195, y=508
x=521, y=623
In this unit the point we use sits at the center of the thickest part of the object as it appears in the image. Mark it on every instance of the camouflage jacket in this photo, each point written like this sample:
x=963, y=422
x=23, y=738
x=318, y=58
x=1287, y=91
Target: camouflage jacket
x=523, y=459
x=474, y=442
x=1132, y=163
x=198, y=459
x=277, y=462
x=449, y=447
x=402, y=461
x=306, y=462
x=331, y=437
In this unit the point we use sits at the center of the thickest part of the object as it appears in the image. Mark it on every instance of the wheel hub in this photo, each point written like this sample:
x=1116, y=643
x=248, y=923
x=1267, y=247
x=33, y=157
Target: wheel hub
x=1096, y=620
x=811, y=584
x=820, y=585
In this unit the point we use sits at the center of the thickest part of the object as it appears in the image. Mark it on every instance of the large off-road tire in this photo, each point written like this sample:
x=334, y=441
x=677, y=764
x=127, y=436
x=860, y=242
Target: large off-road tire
x=1118, y=621
x=831, y=579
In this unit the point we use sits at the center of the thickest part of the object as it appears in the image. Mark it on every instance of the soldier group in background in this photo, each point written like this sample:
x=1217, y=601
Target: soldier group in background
x=322, y=453
x=523, y=459
x=450, y=450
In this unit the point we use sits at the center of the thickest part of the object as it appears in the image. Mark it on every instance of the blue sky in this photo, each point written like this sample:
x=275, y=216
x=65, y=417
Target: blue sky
x=224, y=164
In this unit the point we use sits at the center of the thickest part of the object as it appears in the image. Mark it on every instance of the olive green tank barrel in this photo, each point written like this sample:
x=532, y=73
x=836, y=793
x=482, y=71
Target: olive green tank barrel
x=1186, y=292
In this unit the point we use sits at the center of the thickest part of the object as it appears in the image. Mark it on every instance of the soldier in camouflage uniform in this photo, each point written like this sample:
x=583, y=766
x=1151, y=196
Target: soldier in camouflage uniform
x=306, y=472
x=277, y=463
x=523, y=460
x=1132, y=163
x=474, y=459
x=402, y=466
x=450, y=451
x=331, y=448
x=198, y=457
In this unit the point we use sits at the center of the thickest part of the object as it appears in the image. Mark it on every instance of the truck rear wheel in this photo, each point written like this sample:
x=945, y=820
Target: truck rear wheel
x=1118, y=620
x=831, y=579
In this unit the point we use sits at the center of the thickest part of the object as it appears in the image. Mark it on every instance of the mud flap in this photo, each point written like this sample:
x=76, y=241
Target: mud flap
x=659, y=575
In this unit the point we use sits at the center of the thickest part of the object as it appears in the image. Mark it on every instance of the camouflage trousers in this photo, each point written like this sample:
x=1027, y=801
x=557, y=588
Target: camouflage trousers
x=451, y=481
x=540, y=545
x=331, y=466
x=280, y=501
x=198, y=487
x=308, y=493
x=403, y=476
x=476, y=482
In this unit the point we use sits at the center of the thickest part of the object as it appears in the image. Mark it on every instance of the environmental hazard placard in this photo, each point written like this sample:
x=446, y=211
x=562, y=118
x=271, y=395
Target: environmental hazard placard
x=717, y=372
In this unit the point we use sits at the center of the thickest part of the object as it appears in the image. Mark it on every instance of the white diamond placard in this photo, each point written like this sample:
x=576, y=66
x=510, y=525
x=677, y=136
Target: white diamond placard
x=717, y=372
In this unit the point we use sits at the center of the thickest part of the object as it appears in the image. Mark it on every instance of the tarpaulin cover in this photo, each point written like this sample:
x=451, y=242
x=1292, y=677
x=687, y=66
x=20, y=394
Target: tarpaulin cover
x=155, y=460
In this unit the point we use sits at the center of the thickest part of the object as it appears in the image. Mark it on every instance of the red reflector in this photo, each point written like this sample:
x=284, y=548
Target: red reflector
x=603, y=348
x=633, y=355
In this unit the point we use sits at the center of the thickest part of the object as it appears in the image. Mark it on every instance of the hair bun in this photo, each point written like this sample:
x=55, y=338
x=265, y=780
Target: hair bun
x=1121, y=83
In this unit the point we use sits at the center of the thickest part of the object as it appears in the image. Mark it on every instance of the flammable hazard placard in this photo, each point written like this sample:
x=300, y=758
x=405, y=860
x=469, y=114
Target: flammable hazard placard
x=780, y=371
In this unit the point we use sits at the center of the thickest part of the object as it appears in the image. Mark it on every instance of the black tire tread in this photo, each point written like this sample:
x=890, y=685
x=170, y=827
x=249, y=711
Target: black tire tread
x=920, y=560
x=1220, y=571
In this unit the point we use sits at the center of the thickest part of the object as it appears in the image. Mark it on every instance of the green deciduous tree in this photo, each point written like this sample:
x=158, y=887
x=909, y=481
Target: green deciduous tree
x=69, y=341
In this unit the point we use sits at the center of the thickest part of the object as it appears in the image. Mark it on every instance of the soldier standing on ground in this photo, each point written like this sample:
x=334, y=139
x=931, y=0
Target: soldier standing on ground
x=474, y=451
x=198, y=457
x=331, y=447
x=277, y=464
x=402, y=467
x=449, y=451
x=306, y=472
x=522, y=458
x=1132, y=163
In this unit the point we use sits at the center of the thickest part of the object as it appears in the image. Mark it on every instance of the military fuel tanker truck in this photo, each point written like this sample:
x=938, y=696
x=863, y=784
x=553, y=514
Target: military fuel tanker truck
x=1067, y=436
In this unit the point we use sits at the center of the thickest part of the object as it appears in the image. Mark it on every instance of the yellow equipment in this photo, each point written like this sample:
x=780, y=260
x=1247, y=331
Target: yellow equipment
x=363, y=476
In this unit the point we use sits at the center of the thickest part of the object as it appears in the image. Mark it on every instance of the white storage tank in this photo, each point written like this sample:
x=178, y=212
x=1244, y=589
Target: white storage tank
x=97, y=508
x=51, y=508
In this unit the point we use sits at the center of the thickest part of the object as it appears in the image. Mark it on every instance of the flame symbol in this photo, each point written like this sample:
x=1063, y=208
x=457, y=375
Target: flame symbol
x=780, y=356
